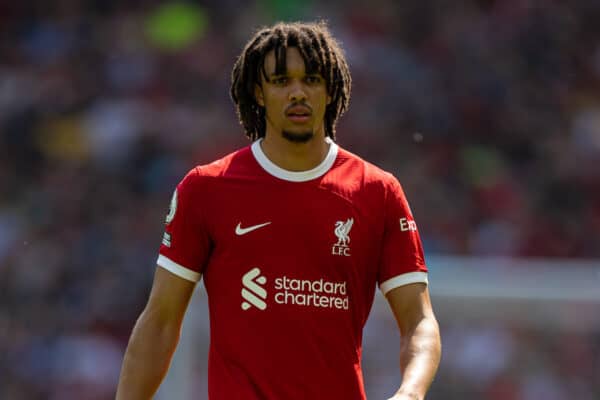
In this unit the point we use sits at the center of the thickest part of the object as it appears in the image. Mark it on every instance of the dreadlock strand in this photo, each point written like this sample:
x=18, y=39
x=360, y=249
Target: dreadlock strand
x=313, y=47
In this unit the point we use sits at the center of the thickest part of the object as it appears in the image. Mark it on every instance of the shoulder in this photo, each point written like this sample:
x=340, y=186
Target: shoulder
x=368, y=173
x=222, y=168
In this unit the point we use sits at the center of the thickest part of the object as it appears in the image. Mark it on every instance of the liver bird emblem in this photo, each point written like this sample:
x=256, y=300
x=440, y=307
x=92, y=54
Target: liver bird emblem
x=342, y=230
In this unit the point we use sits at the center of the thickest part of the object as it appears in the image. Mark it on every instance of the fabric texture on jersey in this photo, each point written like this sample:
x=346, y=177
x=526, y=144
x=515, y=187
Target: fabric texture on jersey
x=290, y=261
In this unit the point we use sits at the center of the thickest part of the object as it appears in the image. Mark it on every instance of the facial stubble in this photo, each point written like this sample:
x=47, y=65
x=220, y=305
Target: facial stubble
x=302, y=137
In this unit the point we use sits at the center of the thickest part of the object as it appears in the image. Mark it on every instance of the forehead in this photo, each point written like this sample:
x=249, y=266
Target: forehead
x=283, y=60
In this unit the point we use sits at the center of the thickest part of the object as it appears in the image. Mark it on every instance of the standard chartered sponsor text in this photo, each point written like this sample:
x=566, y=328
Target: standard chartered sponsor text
x=305, y=292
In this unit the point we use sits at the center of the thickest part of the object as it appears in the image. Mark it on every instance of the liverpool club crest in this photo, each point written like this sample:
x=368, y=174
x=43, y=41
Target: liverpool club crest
x=342, y=231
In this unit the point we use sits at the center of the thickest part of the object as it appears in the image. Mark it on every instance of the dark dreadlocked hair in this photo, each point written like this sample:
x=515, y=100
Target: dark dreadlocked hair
x=321, y=53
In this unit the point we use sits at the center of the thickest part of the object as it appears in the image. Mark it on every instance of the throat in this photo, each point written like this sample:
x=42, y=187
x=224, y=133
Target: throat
x=295, y=155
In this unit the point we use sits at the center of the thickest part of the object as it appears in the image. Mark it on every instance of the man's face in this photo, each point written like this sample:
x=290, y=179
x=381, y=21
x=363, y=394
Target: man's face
x=294, y=101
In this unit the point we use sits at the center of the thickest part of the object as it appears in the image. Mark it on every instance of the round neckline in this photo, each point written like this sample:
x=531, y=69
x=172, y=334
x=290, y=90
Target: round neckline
x=295, y=176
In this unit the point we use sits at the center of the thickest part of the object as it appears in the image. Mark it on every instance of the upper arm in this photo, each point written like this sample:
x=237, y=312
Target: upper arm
x=401, y=258
x=169, y=297
x=410, y=304
x=186, y=243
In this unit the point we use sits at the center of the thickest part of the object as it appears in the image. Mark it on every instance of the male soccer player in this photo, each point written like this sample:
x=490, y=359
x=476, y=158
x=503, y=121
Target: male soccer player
x=291, y=235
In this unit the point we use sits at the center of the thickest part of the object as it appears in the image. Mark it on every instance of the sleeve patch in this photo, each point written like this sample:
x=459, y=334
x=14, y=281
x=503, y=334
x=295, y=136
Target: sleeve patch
x=172, y=208
x=166, y=239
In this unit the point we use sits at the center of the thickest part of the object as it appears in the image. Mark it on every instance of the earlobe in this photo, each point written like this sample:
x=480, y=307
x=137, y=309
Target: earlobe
x=258, y=95
x=328, y=99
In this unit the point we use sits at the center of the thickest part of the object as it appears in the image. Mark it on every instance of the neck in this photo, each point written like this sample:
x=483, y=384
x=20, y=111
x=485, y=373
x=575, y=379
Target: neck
x=295, y=156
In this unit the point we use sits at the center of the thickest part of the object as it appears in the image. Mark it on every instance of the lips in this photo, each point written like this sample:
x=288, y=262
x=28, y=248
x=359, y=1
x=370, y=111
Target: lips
x=298, y=114
x=298, y=111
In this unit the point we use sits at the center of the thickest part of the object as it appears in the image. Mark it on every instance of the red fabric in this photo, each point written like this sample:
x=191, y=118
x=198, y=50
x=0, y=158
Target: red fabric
x=306, y=342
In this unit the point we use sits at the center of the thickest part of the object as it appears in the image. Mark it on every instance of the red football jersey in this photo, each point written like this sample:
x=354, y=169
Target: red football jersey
x=290, y=262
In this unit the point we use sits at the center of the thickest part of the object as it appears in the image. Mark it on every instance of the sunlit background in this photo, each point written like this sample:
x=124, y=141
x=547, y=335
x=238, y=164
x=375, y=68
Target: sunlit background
x=488, y=112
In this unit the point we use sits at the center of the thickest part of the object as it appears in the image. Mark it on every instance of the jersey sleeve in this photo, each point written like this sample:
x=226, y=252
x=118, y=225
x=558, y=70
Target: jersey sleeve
x=402, y=260
x=186, y=244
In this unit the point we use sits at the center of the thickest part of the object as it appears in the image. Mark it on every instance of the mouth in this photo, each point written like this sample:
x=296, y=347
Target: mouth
x=298, y=114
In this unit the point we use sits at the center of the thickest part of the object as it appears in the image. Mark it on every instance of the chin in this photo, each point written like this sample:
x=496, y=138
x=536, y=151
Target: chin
x=298, y=137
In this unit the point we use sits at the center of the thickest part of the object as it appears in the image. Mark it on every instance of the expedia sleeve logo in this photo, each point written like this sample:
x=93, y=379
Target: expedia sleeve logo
x=407, y=225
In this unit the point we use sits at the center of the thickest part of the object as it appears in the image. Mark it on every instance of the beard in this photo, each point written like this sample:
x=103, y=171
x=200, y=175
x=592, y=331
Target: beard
x=300, y=137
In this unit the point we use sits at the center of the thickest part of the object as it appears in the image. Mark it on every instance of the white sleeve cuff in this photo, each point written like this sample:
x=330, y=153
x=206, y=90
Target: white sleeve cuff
x=177, y=269
x=404, y=279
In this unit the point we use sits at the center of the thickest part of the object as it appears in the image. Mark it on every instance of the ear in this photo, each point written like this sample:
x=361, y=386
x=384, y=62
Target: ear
x=329, y=99
x=258, y=95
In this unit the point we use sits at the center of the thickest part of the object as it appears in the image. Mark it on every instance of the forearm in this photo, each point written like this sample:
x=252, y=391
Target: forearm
x=420, y=354
x=147, y=358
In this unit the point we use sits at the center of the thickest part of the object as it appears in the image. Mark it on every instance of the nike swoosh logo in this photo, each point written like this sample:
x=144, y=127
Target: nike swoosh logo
x=242, y=231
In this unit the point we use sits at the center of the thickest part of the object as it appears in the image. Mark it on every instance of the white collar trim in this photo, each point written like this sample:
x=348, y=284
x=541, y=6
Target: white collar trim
x=295, y=176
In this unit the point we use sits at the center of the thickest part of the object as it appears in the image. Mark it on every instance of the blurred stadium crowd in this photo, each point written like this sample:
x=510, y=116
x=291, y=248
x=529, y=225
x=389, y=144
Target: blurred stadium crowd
x=487, y=111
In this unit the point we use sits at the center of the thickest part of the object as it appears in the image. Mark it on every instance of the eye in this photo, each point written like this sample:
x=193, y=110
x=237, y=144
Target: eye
x=279, y=80
x=313, y=79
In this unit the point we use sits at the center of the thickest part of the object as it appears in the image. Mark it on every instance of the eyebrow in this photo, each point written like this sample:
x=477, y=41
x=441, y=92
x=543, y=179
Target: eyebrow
x=269, y=78
x=284, y=73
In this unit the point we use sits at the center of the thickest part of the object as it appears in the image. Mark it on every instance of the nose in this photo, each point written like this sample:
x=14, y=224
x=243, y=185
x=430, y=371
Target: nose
x=297, y=93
